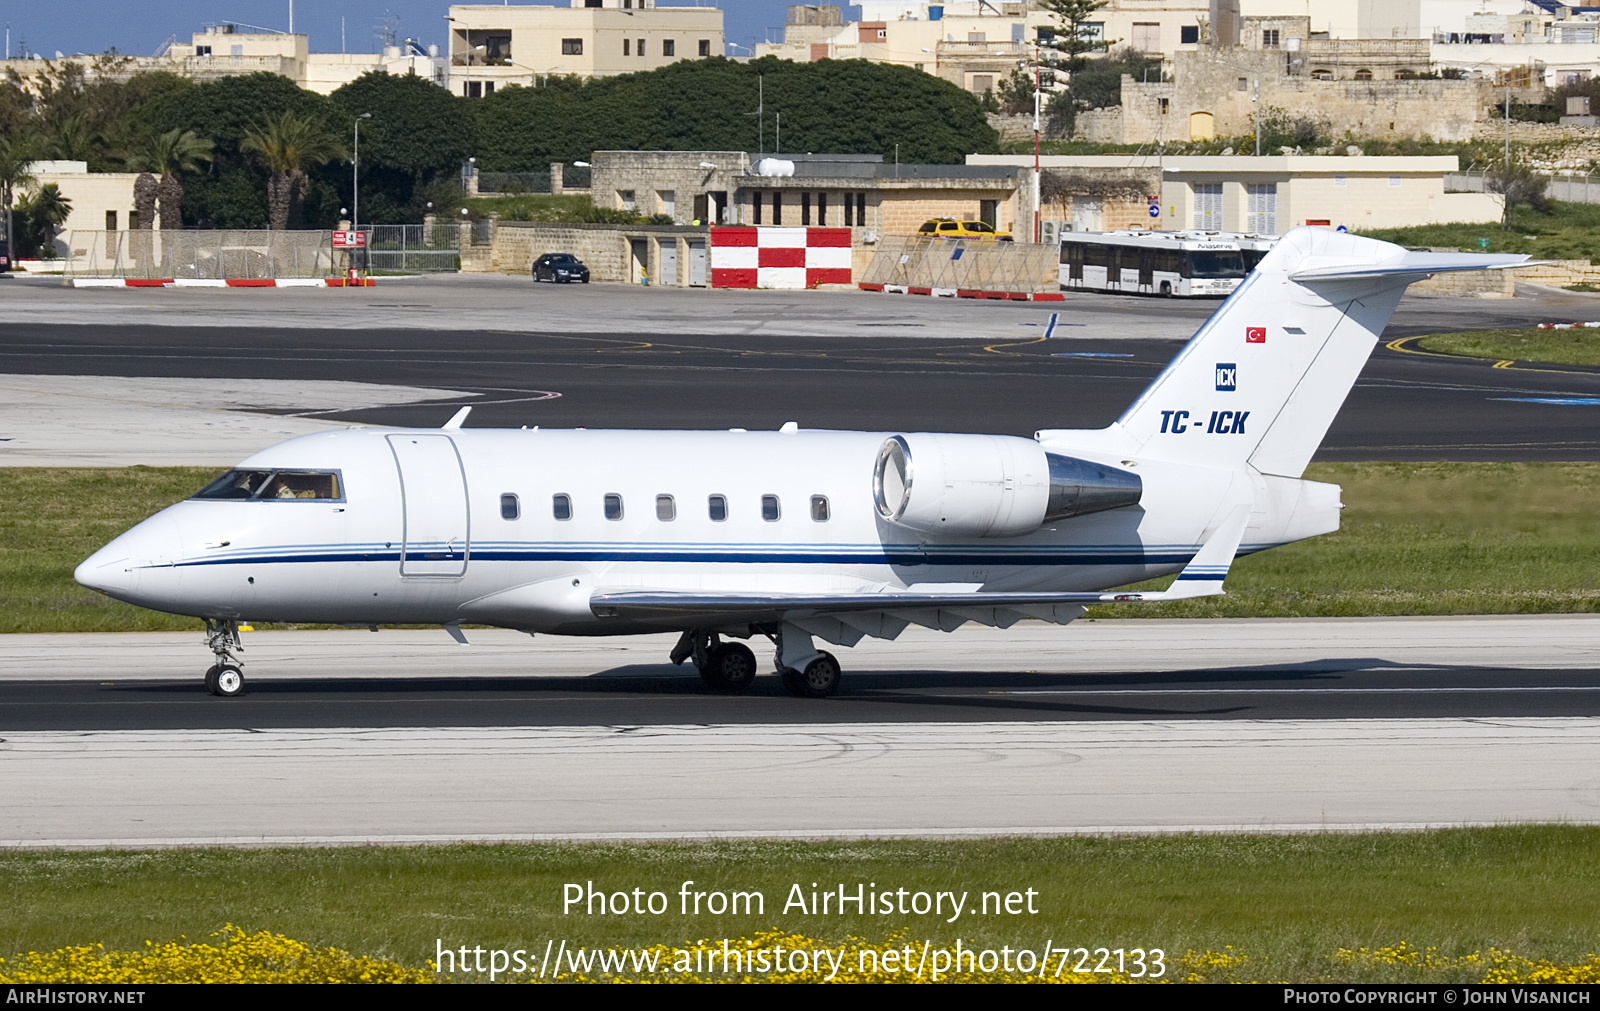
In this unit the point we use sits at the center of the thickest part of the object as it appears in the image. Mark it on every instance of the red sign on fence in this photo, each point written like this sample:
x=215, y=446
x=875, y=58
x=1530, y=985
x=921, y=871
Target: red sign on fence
x=349, y=240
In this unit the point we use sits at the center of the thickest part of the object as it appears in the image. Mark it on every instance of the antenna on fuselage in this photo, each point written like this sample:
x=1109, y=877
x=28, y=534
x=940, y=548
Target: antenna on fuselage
x=457, y=418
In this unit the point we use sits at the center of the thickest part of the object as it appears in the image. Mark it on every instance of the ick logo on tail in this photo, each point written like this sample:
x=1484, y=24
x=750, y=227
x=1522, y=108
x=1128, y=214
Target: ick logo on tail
x=1227, y=377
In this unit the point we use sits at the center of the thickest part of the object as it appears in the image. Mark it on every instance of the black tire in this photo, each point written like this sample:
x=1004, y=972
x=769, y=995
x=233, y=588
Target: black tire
x=1166, y=289
x=225, y=680
x=819, y=680
x=729, y=669
x=792, y=682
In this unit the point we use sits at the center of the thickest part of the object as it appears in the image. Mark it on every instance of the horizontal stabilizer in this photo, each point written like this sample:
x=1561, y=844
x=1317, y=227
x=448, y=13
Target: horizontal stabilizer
x=1204, y=574
x=1411, y=263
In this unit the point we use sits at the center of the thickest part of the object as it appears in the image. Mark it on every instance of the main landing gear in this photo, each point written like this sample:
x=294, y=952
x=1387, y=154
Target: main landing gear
x=225, y=677
x=729, y=668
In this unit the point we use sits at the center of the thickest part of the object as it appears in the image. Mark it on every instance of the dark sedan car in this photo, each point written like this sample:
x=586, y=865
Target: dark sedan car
x=561, y=267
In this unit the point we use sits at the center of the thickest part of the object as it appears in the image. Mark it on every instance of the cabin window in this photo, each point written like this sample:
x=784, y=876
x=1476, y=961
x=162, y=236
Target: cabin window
x=561, y=507
x=613, y=507
x=666, y=508
x=819, y=508
x=510, y=507
x=265, y=485
x=718, y=506
x=769, y=508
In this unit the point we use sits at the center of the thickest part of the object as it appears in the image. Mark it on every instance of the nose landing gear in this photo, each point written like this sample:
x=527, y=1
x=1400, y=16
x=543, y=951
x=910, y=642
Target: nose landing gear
x=225, y=677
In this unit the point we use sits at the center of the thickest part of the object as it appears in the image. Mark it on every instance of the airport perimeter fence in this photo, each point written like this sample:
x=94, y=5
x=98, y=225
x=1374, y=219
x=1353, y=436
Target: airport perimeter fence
x=915, y=261
x=1584, y=189
x=573, y=177
x=261, y=254
x=221, y=254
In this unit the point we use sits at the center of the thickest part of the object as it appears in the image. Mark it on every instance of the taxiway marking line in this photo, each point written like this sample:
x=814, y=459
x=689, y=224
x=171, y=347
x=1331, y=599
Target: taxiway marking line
x=1291, y=691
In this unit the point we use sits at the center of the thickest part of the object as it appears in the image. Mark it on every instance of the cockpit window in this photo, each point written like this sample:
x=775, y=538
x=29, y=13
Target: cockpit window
x=235, y=484
x=258, y=485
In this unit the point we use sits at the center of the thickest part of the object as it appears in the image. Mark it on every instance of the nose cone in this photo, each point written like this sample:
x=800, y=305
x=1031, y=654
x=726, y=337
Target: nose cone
x=107, y=570
x=119, y=568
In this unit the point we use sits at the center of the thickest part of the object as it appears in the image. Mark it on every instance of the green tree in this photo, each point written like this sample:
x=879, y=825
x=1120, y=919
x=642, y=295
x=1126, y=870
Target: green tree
x=287, y=144
x=418, y=134
x=1074, y=40
x=1016, y=91
x=838, y=106
x=1518, y=184
x=169, y=155
x=1069, y=48
x=17, y=154
x=231, y=192
x=42, y=214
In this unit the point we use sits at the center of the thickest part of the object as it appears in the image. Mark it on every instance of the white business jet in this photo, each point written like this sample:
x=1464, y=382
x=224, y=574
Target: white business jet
x=794, y=535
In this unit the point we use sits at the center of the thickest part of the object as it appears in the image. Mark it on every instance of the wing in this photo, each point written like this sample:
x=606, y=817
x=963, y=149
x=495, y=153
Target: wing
x=845, y=618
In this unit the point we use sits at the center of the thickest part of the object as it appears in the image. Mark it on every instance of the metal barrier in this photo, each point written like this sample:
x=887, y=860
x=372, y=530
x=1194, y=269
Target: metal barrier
x=200, y=255
x=514, y=182
x=957, y=265
x=1572, y=188
x=415, y=249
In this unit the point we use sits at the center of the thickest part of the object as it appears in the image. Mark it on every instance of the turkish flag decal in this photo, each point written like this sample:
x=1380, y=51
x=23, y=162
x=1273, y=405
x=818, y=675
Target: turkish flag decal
x=1255, y=335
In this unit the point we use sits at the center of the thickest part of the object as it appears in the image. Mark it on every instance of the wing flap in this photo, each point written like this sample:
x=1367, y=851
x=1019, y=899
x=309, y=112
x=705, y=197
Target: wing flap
x=941, y=609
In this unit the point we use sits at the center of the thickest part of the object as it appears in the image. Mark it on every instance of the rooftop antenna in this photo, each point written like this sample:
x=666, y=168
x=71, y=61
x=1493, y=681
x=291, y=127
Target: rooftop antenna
x=760, y=114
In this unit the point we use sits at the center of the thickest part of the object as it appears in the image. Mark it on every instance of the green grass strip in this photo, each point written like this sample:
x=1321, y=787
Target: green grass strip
x=1417, y=538
x=1579, y=346
x=1276, y=907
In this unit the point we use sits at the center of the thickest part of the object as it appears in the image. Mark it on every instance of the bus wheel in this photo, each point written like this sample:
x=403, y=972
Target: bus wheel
x=1166, y=289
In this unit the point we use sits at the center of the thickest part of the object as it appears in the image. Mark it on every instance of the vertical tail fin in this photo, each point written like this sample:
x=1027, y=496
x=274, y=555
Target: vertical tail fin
x=1261, y=381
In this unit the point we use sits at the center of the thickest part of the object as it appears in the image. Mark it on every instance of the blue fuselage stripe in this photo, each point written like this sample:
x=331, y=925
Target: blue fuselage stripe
x=882, y=556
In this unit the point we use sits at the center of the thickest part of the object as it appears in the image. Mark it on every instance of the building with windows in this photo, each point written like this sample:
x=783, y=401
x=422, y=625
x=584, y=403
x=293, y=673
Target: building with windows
x=858, y=191
x=492, y=46
x=1265, y=196
x=226, y=50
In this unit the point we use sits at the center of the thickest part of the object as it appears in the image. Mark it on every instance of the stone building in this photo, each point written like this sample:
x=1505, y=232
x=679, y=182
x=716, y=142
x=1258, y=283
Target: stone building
x=1265, y=196
x=492, y=46
x=860, y=191
x=1215, y=93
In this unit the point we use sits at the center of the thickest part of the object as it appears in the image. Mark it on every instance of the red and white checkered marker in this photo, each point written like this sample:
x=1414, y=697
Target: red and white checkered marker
x=774, y=257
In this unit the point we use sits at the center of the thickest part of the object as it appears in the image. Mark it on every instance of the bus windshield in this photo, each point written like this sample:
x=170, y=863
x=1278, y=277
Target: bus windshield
x=1217, y=264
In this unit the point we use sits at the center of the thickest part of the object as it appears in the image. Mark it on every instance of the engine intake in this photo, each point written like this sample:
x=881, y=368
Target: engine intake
x=990, y=485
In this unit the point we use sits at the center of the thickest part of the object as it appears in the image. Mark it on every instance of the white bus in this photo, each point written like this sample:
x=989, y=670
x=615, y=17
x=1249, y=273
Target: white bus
x=1182, y=264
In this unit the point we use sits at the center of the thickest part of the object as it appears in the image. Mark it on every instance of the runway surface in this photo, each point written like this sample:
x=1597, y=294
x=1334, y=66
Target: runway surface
x=1098, y=670
x=350, y=785
x=1117, y=725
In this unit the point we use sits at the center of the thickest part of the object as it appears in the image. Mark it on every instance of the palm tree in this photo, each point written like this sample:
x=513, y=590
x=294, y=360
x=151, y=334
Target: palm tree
x=16, y=160
x=289, y=143
x=144, y=201
x=169, y=154
x=49, y=211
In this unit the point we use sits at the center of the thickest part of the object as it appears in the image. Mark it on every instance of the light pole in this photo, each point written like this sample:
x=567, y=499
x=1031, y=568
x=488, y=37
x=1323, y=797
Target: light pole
x=1038, y=102
x=355, y=176
x=355, y=186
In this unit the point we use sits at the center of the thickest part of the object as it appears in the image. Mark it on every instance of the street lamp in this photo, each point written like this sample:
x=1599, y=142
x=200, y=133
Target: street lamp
x=355, y=175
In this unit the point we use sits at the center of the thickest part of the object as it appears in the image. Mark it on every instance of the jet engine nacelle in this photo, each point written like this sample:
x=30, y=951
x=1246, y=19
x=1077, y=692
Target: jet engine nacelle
x=989, y=485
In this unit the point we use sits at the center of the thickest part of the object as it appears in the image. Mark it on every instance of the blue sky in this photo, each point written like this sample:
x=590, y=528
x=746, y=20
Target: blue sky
x=138, y=28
